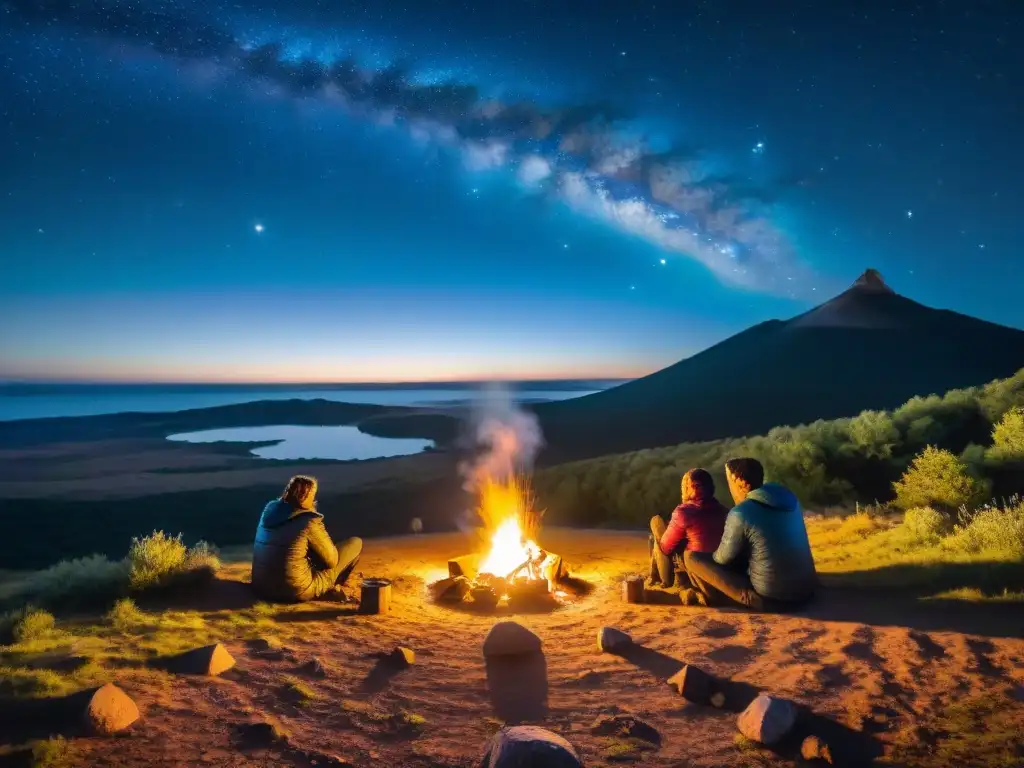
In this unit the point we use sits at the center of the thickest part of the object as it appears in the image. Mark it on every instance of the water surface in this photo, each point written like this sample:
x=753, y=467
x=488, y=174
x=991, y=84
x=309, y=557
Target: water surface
x=338, y=443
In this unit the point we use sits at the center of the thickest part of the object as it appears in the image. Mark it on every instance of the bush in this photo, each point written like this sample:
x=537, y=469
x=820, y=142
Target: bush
x=154, y=559
x=26, y=625
x=926, y=524
x=83, y=582
x=937, y=478
x=1008, y=436
x=991, y=529
x=125, y=615
x=54, y=752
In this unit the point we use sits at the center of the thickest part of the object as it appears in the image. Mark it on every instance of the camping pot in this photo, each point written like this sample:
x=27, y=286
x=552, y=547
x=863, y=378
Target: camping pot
x=375, y=596
x=633, y=589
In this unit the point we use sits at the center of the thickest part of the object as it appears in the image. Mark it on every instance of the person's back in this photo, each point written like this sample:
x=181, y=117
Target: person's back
x=768, y=528
x=294, y=558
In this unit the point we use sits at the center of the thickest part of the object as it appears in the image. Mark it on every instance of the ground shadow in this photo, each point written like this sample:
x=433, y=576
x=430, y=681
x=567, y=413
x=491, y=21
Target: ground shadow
x=214, y=595
x=849, y=747
x=518, y=687
x=895, y=609
x=319, y=614
x=380, y=675
x=23, y=719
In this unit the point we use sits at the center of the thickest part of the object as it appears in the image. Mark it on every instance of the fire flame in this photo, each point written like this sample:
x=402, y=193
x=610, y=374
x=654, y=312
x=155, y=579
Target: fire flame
x=510, y=519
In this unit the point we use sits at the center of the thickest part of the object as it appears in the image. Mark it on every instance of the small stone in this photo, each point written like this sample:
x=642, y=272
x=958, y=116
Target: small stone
x=625, y=726
x=263, y=644
x=814, y=748
x=767, y=720
x=528, y=745
x=694, y=684
x=611, y=640
x=403, y=657
x=110, y=710
x=718, y=699
x=507, y=638
x=314, y=668
x=208, y=660
x=261, y=734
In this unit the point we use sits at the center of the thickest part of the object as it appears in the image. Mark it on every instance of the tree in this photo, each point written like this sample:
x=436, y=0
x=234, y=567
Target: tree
x=937, y=478
x=873, y=434
x=1008, y=435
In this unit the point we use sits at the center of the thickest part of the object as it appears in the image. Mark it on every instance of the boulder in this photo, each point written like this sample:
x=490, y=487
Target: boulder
x=209, y=660
x=507, y=638
x=611, y=640
x=767, y=720
x=625, y=726
x=694, y=684
x=814, y=748
x=526, y=746
x=110, y=710
x=402, y=657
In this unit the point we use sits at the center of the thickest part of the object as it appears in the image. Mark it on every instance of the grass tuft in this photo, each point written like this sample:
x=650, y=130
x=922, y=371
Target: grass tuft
x=54, y=752
x=125, y=616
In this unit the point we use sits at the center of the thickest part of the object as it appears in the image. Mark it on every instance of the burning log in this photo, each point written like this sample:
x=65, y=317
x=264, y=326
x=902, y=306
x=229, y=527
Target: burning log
x=464, y=565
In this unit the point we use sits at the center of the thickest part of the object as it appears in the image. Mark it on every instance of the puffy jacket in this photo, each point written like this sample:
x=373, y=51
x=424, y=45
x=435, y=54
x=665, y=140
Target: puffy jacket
x=766, y=530
x=696, y=527
x=292, y=544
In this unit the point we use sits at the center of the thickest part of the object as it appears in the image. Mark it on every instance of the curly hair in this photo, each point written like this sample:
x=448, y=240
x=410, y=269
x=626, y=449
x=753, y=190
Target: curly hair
x=697, y=486
x=748, y=470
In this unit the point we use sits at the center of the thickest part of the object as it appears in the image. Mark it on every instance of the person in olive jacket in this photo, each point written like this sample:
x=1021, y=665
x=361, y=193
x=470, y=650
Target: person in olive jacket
x=764, y=560
x=294, y=558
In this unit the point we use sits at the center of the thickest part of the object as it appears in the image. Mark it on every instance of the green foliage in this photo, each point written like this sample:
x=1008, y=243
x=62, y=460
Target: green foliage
x=925, y=524
x=873, y=434
x=27, y=625
x=125, y=616
x=153, y=559
x=54, y=752
x=991, y=529
x=1008, y=435
x=82, y=582
x=939, y=479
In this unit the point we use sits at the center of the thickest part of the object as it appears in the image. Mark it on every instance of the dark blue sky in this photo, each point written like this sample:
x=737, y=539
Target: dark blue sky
x=355, y=191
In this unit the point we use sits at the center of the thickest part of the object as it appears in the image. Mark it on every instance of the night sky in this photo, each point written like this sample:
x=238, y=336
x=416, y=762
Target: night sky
x=436, y=189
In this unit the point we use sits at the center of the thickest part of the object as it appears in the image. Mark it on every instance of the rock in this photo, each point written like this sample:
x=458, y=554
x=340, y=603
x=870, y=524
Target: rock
x=507, y=638
x=718, y=699
x=814, y=748
x=626, y=726
x=694, y=684
x=526, y=746
x=255, y=735
x=110, y=710
x=451, y=590
x=767, y=720
x=611, y=640
x=208, y=660
x=314, y=668
x=402, y=657
x=263, y=644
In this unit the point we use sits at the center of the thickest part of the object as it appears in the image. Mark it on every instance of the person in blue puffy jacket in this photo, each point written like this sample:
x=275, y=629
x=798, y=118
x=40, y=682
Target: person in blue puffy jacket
x=764, y=560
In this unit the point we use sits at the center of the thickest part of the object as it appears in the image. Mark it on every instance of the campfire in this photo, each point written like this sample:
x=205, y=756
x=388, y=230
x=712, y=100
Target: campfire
x=510, y=568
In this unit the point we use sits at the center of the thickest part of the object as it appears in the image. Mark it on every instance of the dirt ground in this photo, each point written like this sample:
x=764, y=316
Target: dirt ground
x=883, y=676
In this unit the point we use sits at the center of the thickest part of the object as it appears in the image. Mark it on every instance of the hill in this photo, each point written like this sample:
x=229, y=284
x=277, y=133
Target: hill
x=868, y=348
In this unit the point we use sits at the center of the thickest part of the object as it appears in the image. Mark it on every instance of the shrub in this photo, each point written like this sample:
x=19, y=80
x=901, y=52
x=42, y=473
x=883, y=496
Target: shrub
x=926, y=524
x=1008, y=435
x=125, y=615
x=54, y=752
x=153, y=559
x=26, y=625
x=937, y=478
x=203, y=557
x=84, y=582
x=991, y=529
x=873, y=434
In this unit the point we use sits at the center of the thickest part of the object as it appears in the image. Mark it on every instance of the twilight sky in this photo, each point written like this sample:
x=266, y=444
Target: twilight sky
x=349, y=190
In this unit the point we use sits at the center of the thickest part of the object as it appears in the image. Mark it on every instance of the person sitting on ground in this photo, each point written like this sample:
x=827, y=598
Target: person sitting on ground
x=696, y=525
x=764, y=560
x=294, y=558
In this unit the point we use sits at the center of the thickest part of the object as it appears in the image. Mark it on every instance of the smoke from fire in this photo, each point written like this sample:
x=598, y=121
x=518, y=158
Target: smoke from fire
x=505, y=440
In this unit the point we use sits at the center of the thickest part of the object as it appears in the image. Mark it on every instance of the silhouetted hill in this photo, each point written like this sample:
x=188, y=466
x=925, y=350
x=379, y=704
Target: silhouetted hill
x=868, y=348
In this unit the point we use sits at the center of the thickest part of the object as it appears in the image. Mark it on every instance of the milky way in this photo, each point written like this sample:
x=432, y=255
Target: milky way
x=589, y=156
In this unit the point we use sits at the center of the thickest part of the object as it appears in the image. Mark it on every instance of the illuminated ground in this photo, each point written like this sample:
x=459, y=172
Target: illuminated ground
x=932, y=684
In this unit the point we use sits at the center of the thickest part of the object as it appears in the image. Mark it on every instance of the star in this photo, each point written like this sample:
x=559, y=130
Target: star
x=758, y=148
x=259, y=229
x=910, y=214
x=565, y=245
x=662, y=261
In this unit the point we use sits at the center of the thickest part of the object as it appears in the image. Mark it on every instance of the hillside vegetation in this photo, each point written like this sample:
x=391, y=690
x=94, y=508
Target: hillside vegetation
x=962, y=448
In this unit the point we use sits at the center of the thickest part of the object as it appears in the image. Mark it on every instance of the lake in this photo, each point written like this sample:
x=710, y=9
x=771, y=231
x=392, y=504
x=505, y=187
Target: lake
x=339, y=443
x=35, y=401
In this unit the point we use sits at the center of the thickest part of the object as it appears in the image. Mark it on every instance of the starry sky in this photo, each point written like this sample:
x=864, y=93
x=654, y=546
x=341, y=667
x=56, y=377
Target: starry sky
x=442, y=189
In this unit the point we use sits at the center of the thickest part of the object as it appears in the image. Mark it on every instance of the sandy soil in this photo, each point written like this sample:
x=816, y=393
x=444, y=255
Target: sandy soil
x=887, y=671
